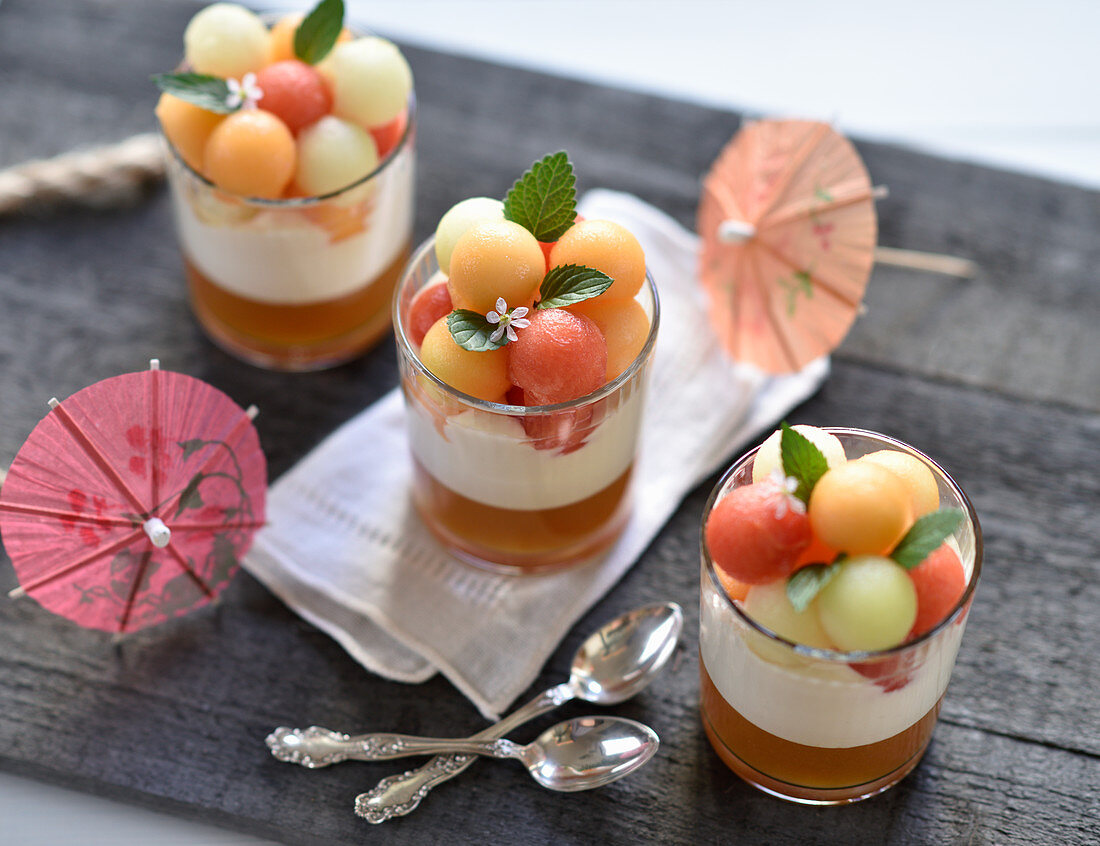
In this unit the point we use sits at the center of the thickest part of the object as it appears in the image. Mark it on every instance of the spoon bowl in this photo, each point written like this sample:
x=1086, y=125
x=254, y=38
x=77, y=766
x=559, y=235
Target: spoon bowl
x=622, y=657
x=589, y=752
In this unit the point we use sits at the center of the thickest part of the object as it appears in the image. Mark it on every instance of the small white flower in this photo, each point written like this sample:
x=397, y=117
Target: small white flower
x=788, y=484
x=244, y=93
x=507, y=321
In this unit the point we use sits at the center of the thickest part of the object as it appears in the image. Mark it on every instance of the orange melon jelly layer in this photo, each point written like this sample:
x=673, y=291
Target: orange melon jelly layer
x=740, y=744
x=359, y=318
x=526, y=538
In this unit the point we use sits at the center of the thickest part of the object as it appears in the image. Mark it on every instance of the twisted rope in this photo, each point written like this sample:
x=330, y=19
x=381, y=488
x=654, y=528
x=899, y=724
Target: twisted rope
x=102, y=177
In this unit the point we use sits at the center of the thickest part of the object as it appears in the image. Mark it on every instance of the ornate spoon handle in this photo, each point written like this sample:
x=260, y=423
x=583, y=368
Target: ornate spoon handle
x=399, y=794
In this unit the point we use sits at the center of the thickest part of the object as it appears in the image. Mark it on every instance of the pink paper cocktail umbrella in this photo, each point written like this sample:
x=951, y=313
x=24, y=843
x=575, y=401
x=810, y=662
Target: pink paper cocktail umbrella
x=133, y=501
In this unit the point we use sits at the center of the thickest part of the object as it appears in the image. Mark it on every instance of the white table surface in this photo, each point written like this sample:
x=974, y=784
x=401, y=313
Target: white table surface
x=1011, y=84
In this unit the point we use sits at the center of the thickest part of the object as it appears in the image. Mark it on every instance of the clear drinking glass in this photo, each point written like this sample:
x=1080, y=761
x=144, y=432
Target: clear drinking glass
x=816, y=726
x=513, y=488
x=302, y=283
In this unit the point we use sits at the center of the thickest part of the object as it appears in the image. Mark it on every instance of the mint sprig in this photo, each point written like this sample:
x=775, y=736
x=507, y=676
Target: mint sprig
x=200, y=89
x=925, y=536
x=471, y=331
x=544, y=200
x=802, y=460
x=317, y=33
x=805, y=583
x=571, y=283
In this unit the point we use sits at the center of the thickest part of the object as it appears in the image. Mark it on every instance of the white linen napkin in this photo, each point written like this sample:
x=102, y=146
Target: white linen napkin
x=345, y=550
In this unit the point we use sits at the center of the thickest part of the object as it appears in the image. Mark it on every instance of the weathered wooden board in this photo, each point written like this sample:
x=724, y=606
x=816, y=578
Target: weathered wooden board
x=996, y=377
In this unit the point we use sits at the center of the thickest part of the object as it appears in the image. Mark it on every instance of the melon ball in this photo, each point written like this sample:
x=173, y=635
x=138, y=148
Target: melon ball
x=495, y=259
x=370, y=80
x=768, y=456
x=940, y=582
x=187, y=127
x=281, y=37
x=860, y=508
x=560, y=357
x=430, y=303
x=225, y=40
x=479, y=374
x=251, y=153
x=332, y=154
x=388, y=135
x=607, y=247
x=869, y=604
x=624, y=326
x=755, y=535
x=461, y=217
x=917, y=476
x=294, y=92
x=768, y=605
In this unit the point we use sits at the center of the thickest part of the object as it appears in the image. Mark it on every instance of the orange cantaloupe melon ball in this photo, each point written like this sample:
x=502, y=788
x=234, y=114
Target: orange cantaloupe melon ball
x=187, y=127
x=495, y=259
x=607, y=247
x=281, y=37
x=860, y=508
x=251, y=153
x=480, y=374
x=624, y=325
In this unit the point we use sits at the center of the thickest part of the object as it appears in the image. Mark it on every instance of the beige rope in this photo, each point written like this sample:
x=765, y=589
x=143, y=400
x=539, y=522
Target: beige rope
x=101, y=177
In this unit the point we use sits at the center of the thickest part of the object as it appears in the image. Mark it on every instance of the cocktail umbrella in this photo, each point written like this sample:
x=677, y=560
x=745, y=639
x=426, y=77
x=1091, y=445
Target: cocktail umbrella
x=133, y=501
x=788, y=227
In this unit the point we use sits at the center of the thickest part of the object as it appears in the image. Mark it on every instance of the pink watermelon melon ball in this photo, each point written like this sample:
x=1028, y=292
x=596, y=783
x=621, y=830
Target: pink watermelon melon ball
x=294, y=92
x=755, y=534
x=430, y=303
x=940, y=581
x=561, y=356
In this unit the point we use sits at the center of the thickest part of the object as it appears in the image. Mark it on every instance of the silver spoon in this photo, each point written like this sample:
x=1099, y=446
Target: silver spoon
x=577, y=754
x=612, y=665
x=615, y=663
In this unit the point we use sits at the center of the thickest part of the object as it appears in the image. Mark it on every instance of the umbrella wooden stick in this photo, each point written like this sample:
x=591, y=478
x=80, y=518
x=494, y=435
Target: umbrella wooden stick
x=735, y=231
x=928, y=262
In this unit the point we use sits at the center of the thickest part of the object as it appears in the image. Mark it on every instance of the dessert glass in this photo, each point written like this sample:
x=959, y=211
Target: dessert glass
x=519, y=489
x=302, y=283
x=816, y=726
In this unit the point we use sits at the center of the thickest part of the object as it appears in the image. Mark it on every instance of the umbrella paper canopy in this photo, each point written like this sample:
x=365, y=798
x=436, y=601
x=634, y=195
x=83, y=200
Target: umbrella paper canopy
x=133, y=501
x=788, y=228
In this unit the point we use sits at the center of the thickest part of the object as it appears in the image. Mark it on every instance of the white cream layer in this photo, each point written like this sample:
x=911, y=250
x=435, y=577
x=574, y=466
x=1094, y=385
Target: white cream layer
x=489, y=459
x=280, y=257
x=820, y=704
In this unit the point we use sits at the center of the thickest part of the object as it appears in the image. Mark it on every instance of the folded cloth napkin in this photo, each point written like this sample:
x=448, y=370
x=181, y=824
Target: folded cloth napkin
x=344, y=549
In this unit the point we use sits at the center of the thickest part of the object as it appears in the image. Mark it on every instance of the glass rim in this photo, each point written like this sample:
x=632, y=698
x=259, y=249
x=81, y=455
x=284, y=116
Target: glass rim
x=303, y=202
x=427, y=248
x=834, y=655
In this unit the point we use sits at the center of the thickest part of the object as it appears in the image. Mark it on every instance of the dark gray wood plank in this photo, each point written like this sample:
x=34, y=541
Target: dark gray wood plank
x=973, y=373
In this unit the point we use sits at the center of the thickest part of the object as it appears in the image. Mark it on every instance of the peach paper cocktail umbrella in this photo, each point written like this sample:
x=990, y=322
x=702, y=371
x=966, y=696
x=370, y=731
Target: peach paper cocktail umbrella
x=788, y=229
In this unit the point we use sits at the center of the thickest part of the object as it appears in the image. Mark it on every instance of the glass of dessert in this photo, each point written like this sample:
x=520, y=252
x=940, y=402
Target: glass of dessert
x=291, y=167
x=838, y=568
x=524, y=336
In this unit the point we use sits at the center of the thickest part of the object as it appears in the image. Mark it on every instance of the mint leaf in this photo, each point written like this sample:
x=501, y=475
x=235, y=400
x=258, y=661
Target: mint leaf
x=925, y=535
x=318, y=31
x=544, y=200
x=471, y=331
x=802, y=460
x=571, y=283
x=198, y=89
x=803, y=585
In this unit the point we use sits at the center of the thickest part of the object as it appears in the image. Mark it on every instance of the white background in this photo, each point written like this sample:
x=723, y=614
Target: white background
x=1013, y=84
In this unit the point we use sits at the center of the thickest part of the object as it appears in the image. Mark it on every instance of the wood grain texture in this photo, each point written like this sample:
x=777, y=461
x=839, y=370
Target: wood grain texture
x=997, y=378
